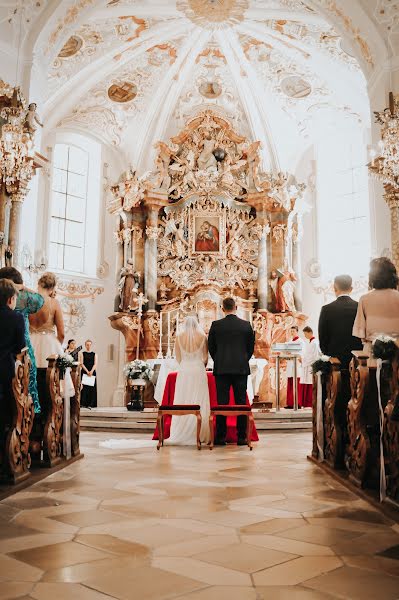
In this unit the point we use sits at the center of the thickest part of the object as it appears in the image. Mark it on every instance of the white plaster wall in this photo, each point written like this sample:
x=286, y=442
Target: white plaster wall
x=34, y=232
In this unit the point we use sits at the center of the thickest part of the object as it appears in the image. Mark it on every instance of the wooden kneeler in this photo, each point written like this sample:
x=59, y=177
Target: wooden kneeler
x=178, y=410
x=234, y=410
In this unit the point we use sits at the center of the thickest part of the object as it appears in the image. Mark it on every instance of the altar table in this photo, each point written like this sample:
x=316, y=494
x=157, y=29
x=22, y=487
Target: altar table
x=168, y=398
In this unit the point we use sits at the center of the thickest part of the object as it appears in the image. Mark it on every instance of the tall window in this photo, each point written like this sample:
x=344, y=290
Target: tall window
x=343, y=205
x=68, y=208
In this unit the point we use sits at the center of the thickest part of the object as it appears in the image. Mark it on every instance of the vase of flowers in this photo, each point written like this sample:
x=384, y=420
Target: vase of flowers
x=137, y=373
x=62, y=363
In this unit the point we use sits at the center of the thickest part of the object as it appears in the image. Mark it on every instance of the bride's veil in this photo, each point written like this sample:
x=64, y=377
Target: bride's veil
x=191, y=335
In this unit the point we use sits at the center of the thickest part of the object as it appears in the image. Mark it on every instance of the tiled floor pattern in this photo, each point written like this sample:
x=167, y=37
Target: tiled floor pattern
x=229, y=524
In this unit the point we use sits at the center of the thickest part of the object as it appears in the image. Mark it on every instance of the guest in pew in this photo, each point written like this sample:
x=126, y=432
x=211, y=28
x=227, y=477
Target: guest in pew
x=28, y=302
x=47, y=333
x=311, y=352
x=12, y=340
x=336, y=323
x=378, y=310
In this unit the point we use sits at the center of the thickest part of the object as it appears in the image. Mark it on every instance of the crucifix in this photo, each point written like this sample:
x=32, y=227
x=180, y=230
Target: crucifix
x=141, y=301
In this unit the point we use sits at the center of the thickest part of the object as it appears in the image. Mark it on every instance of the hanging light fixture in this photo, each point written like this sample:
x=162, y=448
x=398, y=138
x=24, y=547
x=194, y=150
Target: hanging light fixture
x=384, y=163
x=16, y=145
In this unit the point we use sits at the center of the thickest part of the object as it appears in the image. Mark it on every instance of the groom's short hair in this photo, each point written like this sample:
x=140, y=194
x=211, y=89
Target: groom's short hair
x=229, y=304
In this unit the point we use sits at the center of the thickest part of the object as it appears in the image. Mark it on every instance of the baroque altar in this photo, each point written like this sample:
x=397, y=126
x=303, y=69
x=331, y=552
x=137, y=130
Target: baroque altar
x=208, y=222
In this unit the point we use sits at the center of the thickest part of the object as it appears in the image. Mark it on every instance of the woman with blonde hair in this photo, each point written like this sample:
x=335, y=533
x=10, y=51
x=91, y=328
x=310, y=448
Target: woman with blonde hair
x=47, y=331
x=191, y=349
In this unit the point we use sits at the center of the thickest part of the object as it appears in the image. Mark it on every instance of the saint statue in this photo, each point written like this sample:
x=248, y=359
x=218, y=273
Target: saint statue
x=206, y=160
x=285, y=291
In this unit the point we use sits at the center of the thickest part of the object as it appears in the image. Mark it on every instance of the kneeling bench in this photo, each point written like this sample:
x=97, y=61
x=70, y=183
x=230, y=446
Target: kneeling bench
x=227, y=411
x=178, y=410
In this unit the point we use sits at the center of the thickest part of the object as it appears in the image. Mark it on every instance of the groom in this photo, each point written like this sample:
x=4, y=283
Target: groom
x=231, y=344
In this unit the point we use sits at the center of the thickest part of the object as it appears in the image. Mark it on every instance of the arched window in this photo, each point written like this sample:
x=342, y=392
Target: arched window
x=74, y=206
x=68, y=208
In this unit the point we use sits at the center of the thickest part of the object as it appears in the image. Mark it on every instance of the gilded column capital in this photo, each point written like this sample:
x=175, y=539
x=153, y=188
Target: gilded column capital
x=151, y=232
x=392, y=200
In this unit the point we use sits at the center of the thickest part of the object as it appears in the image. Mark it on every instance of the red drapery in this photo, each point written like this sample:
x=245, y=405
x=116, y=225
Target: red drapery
x=168, y=398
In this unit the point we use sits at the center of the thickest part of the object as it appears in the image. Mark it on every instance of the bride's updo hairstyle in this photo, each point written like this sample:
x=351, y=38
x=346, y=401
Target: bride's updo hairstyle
x=47, y=281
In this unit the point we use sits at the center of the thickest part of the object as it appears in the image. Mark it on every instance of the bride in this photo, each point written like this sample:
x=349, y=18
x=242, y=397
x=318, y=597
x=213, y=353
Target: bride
x=191, y=350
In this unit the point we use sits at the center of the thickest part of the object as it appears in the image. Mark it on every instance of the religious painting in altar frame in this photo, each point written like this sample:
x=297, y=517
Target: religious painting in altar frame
x=207, y=233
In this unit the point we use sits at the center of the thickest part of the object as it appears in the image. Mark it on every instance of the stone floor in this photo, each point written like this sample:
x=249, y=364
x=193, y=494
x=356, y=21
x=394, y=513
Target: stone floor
x=133, y=523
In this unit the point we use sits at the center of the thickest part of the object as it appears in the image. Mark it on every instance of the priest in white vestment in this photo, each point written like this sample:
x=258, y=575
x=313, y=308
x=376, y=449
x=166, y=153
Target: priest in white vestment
x=311, y=352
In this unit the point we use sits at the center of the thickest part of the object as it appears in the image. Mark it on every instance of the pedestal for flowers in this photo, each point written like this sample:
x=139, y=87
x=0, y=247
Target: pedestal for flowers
x=138, y=373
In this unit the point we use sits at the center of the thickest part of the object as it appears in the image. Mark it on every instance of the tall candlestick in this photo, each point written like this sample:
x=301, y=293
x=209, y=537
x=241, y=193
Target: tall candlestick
x=160, y=355
x=168, y=354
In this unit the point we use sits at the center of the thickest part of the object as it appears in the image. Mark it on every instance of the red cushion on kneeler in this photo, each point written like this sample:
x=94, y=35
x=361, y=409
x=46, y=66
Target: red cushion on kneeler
x=231, y=407
x=179, y=407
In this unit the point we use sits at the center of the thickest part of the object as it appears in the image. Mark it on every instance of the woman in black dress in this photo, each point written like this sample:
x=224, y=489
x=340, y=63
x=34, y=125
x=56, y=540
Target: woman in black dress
x=88, y=360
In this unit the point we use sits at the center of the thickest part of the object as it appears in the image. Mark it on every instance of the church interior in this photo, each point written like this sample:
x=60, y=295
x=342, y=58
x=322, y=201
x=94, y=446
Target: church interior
x=158, y=157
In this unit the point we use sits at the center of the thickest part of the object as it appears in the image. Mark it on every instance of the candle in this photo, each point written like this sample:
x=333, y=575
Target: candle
x=160, y=355
x=168, y=353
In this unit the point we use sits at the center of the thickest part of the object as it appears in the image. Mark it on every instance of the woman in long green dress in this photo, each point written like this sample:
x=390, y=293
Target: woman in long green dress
x=28, y=302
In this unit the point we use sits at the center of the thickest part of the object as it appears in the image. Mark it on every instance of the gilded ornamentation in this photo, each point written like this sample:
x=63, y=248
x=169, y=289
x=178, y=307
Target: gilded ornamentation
x=364, y=48
x=209, y=155
x=208, y=241
x=152, y=233
x=213, y=15
x=78, y=290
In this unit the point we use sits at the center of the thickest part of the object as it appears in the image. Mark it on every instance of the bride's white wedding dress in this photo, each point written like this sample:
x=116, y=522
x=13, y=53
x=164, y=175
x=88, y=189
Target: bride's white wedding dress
x=191, y=388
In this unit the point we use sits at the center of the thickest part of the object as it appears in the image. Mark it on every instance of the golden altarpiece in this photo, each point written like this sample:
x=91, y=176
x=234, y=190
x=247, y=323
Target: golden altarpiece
x=205, y=224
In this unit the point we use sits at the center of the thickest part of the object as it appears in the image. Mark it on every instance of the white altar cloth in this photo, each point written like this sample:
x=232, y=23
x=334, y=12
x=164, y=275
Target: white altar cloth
x=168, y=365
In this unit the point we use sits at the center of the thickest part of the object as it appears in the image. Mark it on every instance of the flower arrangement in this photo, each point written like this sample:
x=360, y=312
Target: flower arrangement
x=138, y=369
x=63, y=362
x=322, y=365
x=384, y=347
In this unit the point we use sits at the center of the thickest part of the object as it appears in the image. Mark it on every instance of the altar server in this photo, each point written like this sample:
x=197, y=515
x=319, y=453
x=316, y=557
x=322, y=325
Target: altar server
x=290, y=369
x=311, y=352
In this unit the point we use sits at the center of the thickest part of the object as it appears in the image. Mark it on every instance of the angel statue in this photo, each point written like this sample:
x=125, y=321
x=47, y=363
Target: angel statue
x=31, y=119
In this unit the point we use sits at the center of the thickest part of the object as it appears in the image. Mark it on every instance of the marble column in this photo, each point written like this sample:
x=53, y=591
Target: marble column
x=392, y=201
x=154, y=201
x=297, y=267
x=3, y=207
x=118, y=263
x=263, y=269
x=15, y=225
x=151, y=255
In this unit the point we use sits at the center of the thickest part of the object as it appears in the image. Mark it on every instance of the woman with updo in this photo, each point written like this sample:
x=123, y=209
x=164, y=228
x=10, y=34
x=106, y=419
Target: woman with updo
x=47, y=331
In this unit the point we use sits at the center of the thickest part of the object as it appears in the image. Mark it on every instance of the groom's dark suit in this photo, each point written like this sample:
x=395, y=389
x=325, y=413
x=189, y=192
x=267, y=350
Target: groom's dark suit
x=231, y=344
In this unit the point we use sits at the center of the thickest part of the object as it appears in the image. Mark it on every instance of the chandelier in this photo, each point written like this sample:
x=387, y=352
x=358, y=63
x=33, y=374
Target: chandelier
x=384, y=163
x=16, y=147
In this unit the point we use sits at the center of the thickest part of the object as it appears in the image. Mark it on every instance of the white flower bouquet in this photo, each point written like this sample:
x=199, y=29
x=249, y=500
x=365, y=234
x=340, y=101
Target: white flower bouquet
x=138, y=369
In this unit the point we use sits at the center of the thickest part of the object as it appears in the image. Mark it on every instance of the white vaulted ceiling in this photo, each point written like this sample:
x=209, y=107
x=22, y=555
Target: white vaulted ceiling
x=279, y=69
